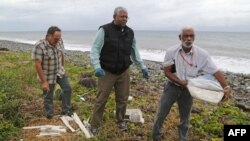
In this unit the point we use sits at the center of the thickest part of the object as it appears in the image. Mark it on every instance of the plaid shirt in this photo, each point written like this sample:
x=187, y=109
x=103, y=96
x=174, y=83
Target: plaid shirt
x=51, y=58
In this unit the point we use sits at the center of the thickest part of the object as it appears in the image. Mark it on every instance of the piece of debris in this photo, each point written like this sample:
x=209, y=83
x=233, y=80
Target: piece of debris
x=44, y=126
x=87, y=133
x=130, y=98
x=48, y=134
x=48, y=130
x=66, y=122
x=82, y=98
x=134, y=115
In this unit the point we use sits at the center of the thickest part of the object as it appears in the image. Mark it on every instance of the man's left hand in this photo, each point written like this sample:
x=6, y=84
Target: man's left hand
x=227, y=93
x=145, y=73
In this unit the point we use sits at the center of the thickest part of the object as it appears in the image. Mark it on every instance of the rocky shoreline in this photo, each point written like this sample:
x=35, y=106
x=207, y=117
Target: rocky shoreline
x=240, y=83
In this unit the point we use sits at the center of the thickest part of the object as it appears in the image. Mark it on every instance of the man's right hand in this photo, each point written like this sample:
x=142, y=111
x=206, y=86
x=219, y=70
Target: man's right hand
x=184, y=83
x=99, y=72
x=45, y=86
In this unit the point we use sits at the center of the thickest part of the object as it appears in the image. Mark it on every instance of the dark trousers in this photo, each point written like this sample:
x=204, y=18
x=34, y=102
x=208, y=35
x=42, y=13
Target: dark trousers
x=66, y=96
x=105, y=84
x=171, y=94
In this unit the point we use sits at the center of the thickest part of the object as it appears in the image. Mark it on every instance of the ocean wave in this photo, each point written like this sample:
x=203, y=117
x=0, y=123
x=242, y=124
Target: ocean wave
x=224, y=63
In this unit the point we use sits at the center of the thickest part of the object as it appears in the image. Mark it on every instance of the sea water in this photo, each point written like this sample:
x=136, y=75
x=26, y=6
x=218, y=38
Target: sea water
x=229, y=50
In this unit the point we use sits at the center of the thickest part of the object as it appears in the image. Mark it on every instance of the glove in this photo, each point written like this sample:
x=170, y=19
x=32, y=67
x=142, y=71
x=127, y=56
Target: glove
x=145, y=73
x=99, y=72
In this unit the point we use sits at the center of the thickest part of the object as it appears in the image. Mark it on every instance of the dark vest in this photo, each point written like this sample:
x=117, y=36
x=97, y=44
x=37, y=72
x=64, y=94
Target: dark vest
x=116, y=51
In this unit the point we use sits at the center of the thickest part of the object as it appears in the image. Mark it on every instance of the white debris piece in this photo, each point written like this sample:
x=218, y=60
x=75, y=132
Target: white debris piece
x=87, y=133
x=44, y=126
x=82, y=98
x=130, y=98
x=134, y=115
x=66, y=122
x=48, y=130
x=53, y=130
x=42, y=134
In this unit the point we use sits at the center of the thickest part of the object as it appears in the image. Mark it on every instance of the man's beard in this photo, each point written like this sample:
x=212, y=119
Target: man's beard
x=187, y=44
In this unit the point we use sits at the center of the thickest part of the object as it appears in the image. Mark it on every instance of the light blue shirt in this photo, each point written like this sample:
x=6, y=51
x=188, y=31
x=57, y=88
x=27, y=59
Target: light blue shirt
x=97, y=47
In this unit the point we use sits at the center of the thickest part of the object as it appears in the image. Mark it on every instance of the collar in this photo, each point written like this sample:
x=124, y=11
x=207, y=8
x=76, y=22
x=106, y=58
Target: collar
x=191, y=52
x=49, y=45
x=119, y=27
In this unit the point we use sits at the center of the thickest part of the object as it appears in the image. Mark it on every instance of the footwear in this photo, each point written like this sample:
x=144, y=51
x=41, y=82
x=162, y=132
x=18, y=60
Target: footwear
x=94, y=131
x=158, y=138
x=68, y=113
x=123, y=126
x=49, y=116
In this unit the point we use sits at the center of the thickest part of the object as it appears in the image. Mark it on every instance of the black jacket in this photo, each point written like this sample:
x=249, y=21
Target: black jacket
x=116, y=51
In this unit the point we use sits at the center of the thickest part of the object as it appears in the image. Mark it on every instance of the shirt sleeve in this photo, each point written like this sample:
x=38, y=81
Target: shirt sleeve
x=96, y=48
x=135, y=56
x=210, y=66
x=168, y=59
x=37, y=53
x=62, y=46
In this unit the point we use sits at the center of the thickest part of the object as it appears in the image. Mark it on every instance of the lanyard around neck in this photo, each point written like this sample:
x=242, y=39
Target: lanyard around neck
x=191, y=59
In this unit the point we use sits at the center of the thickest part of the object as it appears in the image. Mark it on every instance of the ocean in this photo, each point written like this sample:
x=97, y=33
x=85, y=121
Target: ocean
x=229, y=50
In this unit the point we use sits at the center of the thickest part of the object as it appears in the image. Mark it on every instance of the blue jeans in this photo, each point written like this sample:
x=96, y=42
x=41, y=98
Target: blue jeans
x=171, y=94
x=66, y=96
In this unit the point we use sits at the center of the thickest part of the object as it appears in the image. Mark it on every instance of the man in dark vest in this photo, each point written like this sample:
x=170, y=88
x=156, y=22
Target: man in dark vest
x=113, y=48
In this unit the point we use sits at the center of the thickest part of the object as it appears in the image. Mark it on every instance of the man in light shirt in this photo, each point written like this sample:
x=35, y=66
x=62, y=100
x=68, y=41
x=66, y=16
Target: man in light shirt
x=183, y=62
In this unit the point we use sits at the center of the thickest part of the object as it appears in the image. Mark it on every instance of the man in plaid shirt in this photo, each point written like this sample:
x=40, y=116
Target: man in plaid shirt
x=49, y=64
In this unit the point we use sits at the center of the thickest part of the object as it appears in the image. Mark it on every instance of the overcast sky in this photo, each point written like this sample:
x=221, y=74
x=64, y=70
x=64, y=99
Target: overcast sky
x=203, y=15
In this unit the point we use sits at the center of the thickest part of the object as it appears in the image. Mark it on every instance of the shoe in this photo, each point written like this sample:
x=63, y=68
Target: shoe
x=49, y=116
x=158, y=138
x=68, y=113
x=123, y=126
x=94, y=131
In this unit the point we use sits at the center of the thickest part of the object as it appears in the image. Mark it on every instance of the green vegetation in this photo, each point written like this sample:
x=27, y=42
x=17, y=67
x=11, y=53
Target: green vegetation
x=210, y=122
x=19, y=85
x=14, y=75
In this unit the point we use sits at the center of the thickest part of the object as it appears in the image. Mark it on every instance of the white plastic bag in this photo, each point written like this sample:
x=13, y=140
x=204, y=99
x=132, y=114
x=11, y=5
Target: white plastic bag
x=205, y=88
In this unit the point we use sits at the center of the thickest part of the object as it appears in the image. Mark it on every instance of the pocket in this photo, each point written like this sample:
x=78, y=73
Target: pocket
x=192, y=71
x=48, y=54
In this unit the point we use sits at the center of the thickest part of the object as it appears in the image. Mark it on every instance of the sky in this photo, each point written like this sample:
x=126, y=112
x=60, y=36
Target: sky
x=167, y=15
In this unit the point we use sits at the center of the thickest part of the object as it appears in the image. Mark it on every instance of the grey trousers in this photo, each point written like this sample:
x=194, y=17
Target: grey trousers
x=171, y=94
x=105, y=84
x=66, y=96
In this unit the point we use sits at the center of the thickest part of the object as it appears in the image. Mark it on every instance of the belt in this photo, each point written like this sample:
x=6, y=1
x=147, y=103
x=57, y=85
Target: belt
x=176, y=85
x=170, y=82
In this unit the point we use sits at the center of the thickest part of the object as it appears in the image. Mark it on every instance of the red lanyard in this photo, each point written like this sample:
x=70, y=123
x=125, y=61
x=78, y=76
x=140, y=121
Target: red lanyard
x=191, y=59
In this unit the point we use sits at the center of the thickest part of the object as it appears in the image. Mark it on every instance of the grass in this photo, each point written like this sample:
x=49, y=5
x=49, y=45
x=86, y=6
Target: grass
x=19, y=85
